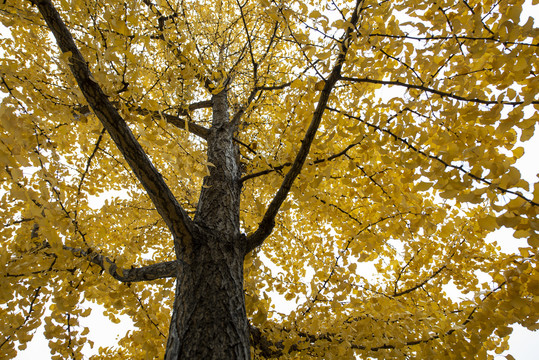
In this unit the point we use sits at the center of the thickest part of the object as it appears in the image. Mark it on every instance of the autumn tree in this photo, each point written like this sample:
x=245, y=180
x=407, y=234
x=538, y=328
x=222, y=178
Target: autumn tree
x=267, y=152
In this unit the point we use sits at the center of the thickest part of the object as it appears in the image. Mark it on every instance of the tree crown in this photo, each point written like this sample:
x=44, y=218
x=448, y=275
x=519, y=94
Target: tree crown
x=373, y=136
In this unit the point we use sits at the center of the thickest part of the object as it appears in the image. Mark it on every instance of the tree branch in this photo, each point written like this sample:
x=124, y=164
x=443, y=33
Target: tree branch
x=160, y=270
x=460, y=37
x=409, y=145
x=272, y=350
x=37, y=292
x=191, y=126
x=342, y=253
x=166, y=204
x=421, y=284
x=268, y=221
x=315, y=162
x=175, y=120
x=433, y=91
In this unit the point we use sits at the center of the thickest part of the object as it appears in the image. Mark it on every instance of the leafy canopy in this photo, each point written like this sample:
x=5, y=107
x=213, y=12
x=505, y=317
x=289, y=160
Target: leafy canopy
x=412, y=166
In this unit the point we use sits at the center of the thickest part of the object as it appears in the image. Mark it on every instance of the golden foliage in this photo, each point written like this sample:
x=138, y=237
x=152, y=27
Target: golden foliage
x=380, y=249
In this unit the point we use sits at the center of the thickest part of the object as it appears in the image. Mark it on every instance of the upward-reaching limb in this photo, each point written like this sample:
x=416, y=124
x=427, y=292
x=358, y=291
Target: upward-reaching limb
x=268, y=221
x=170, y=210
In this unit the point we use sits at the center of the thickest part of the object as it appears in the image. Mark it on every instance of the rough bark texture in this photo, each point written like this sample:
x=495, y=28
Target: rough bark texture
x=219, y=203
x=209, y=319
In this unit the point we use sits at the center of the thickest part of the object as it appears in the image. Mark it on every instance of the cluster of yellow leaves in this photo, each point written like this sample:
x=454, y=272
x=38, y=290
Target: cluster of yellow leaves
x=414, y=164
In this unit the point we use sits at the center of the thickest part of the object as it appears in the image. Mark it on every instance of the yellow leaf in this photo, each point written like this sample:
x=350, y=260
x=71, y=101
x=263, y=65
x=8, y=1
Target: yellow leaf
x=66, y=57
x=320, y=85
x=324, y=55
x=518, y=152
x=315, y=14
x=527, y=133
x=488, y=223
x=533, y=241
x=423, y=186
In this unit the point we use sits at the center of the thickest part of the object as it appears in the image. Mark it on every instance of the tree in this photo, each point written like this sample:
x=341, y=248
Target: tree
x=268, y=151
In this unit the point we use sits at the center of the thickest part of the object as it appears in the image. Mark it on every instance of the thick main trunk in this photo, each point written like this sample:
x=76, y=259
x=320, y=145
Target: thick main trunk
x=209, y=319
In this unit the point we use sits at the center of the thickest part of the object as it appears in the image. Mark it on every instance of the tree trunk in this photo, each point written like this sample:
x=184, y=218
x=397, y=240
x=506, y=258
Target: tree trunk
x=209, y=319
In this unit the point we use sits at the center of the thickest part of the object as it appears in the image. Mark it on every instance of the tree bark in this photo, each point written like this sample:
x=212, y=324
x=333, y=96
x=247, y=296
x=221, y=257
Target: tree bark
x=209, y=319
